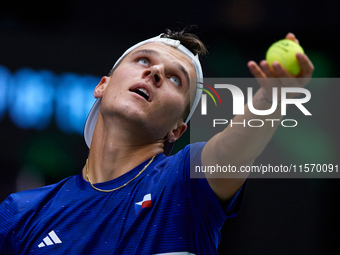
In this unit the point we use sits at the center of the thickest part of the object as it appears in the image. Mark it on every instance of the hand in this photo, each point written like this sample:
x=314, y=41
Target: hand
x=264, y=71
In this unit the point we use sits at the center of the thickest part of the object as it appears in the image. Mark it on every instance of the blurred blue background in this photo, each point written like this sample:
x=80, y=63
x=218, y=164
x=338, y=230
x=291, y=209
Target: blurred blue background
x=53, y=54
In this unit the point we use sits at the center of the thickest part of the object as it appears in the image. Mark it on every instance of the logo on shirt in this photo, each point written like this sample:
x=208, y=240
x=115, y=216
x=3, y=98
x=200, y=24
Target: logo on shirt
x=145, y=203
x=50, y=239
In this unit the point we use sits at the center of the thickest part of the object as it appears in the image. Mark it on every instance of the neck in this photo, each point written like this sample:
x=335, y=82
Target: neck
x=113, y=153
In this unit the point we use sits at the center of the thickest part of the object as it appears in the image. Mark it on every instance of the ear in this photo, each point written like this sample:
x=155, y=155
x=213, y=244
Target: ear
x=100, y=88
x=175, y=134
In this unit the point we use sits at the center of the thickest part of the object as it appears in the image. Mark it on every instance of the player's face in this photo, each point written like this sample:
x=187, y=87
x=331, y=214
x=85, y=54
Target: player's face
x=151, y=87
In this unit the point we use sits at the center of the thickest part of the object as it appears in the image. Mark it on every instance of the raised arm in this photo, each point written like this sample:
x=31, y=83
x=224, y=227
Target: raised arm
x=240, y=146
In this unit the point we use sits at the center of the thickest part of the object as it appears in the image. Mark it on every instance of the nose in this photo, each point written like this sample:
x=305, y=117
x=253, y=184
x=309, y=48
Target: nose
x=155, y=73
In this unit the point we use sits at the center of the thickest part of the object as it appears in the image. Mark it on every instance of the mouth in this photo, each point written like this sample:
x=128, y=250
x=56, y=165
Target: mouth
x=142, y=92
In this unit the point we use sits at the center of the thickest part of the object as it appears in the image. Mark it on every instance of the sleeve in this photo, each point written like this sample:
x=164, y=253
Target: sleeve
x=8, y=218
x=203, y=197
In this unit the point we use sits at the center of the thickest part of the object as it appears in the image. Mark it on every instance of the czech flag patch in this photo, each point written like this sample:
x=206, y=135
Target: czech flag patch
x=146, y=202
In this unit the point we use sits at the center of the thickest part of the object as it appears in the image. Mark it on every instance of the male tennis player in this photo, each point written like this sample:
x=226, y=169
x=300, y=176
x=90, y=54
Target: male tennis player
x=132, y=197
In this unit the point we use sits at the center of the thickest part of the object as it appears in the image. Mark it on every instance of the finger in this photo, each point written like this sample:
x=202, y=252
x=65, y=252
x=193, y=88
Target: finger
x=258, y=74
x=256, y=70
x=274, y=80
x=267, y=69
x=306, y=66
x=285, y=78
x=291, y=36
x=280, y=71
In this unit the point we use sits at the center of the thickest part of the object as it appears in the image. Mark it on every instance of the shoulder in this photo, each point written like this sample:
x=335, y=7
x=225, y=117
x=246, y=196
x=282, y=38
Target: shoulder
x=180, y=162
x=189, y=152
x=174, y=170
x=23, y=199
x=18, y=208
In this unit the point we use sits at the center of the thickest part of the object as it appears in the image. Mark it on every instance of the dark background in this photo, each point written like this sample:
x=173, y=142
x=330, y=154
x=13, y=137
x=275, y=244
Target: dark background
x=279, y=216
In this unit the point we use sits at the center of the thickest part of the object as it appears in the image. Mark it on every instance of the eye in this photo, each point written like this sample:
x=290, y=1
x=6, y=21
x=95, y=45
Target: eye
x=176, y=80
x=143, y=61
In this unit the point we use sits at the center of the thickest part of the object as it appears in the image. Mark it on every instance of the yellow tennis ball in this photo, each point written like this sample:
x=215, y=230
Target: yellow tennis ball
x=284, y=51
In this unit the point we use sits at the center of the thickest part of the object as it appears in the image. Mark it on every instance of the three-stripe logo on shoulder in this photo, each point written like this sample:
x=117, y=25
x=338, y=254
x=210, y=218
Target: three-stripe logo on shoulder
x=50, y=239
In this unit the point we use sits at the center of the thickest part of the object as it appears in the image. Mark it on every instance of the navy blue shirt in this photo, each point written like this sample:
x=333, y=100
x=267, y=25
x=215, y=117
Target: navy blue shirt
x=161, y=211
